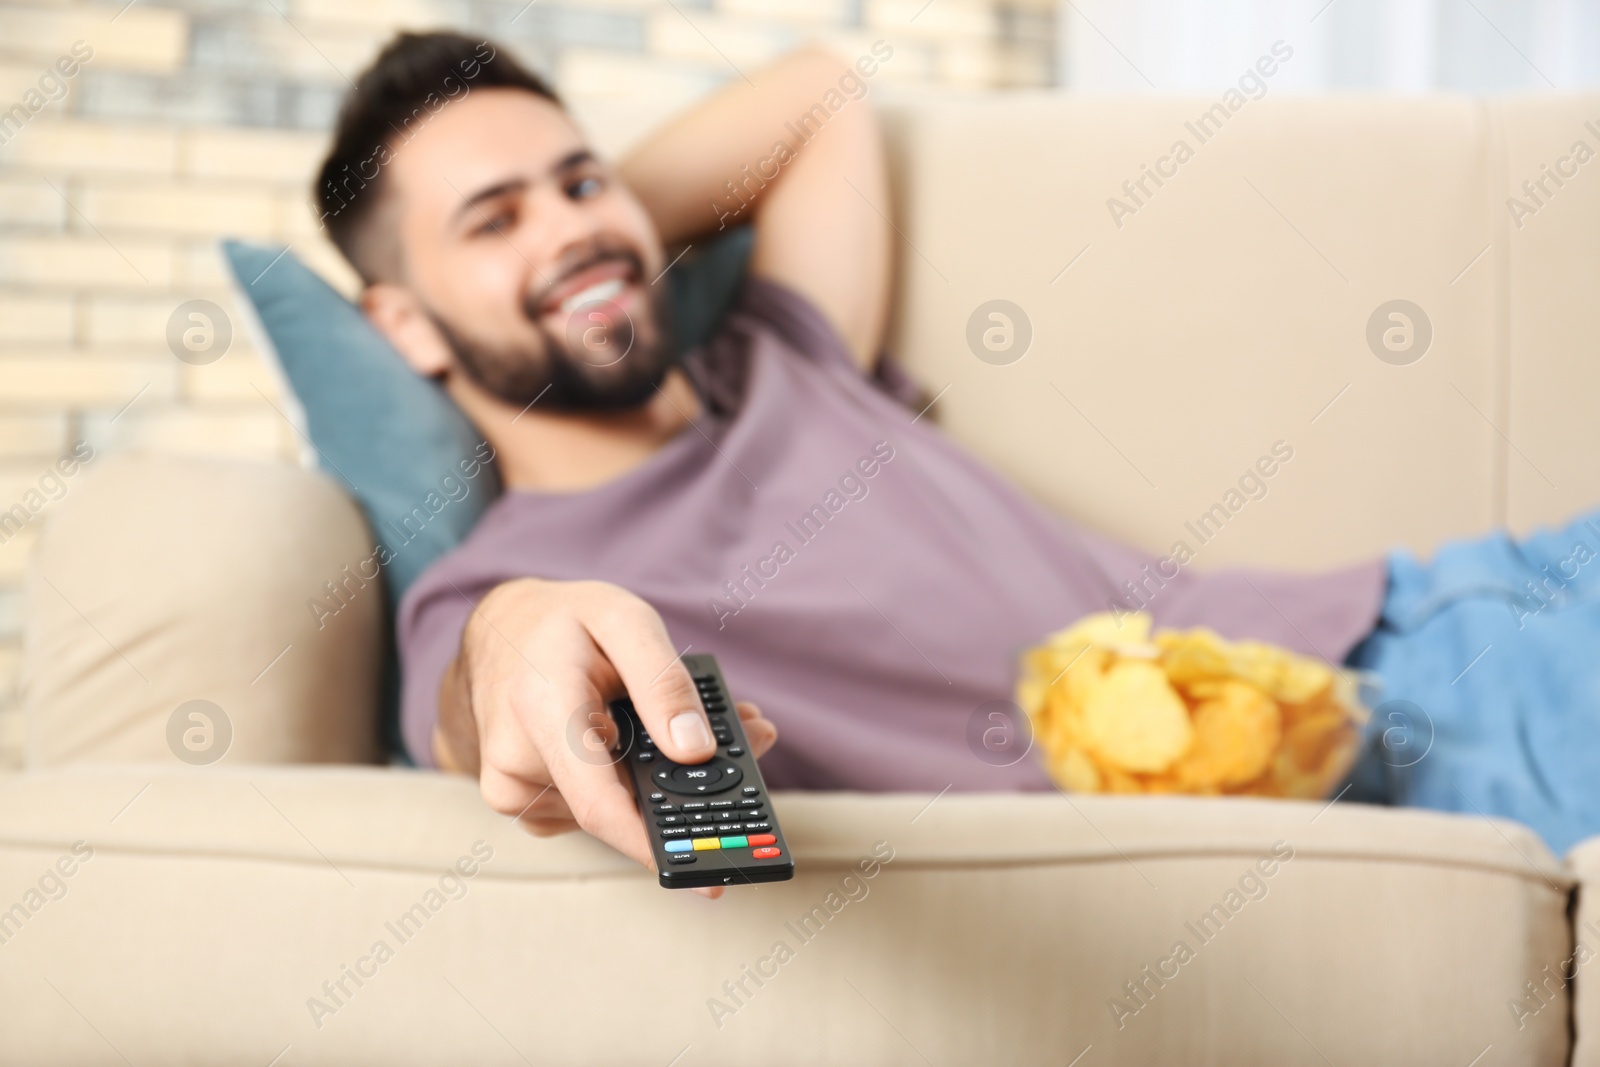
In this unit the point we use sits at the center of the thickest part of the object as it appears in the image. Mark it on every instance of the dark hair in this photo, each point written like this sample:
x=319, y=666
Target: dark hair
x=412, y=79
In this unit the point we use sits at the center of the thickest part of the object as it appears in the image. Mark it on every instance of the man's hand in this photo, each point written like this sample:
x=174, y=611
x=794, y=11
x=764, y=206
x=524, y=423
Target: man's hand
x=820, y=208
x=523, y=707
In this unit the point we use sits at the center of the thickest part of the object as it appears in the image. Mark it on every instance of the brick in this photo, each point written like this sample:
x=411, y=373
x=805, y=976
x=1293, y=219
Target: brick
x=242, y=430
x=15, y=552
x=77, y=261
x=945, y=19
x=17, y=76
x=25, y=318
x=141, y=38
x=297, y=221
x=185, y=208
x=803, y=12
x=76, y=146
x=251, y=155
x=679, y=33
x=136, y=321
x=86, y=381
x=34, y=435
x=236, y=376
x=31, y=203
x=970, y=65
x=386, y=17
x=592, y=74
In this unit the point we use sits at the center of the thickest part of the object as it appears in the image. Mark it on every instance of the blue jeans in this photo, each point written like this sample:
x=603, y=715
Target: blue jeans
x=1489, y=662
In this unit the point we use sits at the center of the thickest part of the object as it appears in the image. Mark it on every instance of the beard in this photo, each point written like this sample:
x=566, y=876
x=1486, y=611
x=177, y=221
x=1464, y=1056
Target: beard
x=605, y=360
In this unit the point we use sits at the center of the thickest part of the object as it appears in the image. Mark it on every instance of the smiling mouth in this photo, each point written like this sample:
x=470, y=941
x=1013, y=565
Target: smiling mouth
x=604, y=290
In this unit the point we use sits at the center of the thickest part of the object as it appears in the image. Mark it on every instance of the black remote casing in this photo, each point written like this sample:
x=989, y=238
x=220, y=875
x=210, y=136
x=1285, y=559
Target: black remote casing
x=725, y=785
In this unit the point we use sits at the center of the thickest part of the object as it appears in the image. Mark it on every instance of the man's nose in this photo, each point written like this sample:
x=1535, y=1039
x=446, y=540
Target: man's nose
x=559, y=224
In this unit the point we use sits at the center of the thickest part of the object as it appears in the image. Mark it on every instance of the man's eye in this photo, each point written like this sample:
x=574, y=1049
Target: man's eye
x=499, y=222
x=584, y=188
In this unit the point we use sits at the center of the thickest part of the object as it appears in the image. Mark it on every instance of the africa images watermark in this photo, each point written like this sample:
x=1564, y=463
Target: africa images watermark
x=1552, y=985
x=1250, y=888
x=742, y=590
x=337, y=992
x=852, y=85
x=1538, y=192
x=738, y=992
x=52, y=86
x=338, y=594
x=1551, y=589
x=1203, y=128
x=346, y=186
x=51, y=486
x=51, y=887
x=1252, y=485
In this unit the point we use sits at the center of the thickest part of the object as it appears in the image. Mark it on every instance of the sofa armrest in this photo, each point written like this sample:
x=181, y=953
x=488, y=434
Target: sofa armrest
x=159, y=581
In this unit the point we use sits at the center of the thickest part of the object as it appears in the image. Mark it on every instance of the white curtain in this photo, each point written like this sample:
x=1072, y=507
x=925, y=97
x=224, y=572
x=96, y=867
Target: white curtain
x=1477, y=46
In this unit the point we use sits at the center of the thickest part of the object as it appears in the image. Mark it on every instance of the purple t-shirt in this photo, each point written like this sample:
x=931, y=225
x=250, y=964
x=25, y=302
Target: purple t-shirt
x=856, y=573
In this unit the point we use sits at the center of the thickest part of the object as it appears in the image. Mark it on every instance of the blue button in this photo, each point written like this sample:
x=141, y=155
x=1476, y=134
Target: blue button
x=679, y=845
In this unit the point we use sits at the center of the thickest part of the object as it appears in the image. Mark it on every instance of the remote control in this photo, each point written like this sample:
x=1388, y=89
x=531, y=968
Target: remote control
x=710, y=823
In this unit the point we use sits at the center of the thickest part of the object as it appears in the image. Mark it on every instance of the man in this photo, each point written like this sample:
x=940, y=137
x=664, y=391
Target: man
x=766, y=497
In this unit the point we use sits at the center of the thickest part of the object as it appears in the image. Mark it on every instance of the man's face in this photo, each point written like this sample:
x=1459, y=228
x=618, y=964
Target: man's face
x=532, y=259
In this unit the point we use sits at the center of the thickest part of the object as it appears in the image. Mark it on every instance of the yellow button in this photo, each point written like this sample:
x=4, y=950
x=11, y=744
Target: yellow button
x=702, y=844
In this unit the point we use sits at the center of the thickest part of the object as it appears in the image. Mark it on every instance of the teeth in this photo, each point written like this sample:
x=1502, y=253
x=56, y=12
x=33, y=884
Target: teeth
x=599, y=291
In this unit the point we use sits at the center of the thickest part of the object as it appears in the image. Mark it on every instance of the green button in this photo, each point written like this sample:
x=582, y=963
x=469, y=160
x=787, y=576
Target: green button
x=735, y=842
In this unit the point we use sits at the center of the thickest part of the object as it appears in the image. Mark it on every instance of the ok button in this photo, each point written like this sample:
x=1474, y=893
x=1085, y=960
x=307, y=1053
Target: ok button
x=711, y=777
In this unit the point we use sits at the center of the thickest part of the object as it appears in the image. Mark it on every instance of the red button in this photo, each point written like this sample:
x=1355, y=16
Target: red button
x=762, y=839
x=765, y=853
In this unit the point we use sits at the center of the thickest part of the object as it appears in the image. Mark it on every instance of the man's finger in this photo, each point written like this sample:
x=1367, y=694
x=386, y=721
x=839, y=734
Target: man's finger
x=761, y=732
x=634, y=640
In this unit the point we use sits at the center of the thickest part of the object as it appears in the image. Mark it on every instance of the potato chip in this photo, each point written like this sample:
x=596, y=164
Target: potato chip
x=1077, y=772
x=1236, y=733
x=1119, y=709
x=1134, y=720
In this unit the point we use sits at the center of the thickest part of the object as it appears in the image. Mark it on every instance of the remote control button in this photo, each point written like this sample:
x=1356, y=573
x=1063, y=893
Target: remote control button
x=656, y=798
x=748, y=791
x=762, y=826
x=703, y=816
x=729, y=828
x=750, y=803
x=670, y=809
x=701, y=844
x=683, y=857
x=647, y=741
x=678, y=846
x=735, y=751
x=669, y=820
x=675, y=831
x=646, y=757
x=765, y=853
x=711, y=777
x=721, y=804
x=694, y=805
x=734, y=842
x=758, y=815
x=757, y=840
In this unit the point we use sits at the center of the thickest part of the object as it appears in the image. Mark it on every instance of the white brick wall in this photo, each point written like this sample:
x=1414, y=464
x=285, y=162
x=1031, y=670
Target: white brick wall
x=196, y=119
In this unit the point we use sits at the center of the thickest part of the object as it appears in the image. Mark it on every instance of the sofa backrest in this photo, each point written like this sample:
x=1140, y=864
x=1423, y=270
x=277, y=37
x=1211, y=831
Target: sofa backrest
x=1219, y=302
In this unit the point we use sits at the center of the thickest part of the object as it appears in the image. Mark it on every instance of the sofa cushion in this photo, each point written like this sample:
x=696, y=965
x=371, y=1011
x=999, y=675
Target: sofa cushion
x=239, y=910
x=158, y=581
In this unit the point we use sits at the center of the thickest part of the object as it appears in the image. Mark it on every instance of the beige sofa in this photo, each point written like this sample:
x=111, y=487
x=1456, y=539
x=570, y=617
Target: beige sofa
x=265, y=910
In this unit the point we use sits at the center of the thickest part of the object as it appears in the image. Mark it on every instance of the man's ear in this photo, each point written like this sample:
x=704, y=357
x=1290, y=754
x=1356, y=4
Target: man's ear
x=395, y=312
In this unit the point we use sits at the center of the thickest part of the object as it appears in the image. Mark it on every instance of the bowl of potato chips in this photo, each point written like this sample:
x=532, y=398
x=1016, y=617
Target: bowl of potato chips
x=1117, y=708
